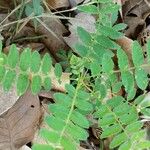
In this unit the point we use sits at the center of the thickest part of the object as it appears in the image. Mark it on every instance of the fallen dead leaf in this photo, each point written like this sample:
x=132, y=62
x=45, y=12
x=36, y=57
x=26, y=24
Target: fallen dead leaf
x=135, y=12
x=126, y=45
x=53, y=30
x=55, y=4
x=7, y=100
x=18, y=125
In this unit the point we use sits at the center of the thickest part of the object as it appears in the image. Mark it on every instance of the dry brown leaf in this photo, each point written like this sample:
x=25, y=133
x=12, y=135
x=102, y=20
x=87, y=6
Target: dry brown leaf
x=45, y=94
x=126, y=45
x=53, y=29
x=135, y=13
x=18, y=125
x=55, y=4
x=7, y=100
x=83, y=20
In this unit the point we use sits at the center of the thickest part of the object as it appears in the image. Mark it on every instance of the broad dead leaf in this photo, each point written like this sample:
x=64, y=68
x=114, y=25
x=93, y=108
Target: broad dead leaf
x=53, y=30
x=18, y=125
x=126, y=45
x=135, y=12
x=7, y=100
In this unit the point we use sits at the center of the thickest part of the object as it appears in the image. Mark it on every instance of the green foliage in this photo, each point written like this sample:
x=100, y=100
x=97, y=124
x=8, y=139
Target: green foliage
x=66, y=130
x=119, y=117
x=26, y=69
x=34, y=7
x=97, y=75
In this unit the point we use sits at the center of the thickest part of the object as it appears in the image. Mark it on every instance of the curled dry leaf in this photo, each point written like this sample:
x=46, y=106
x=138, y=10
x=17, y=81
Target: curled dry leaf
x=18, y=125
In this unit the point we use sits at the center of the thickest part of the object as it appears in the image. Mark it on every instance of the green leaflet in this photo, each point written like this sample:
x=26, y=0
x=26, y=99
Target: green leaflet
x=35, y=62
x=42, y=147
x=25, y=59
x=38, y=10
x=76, y=117
x=68, y=144
x=134, y=127
x=122, y=109
x=84, y=35
x=36, y=84
x=22, y=84
x=102, y=90
x=137, y=54
x=139, y=99
x=46, y=64
x=111, y=130
x=83, y=95
x=115, y=101
x=55, y=123
x=1, y=46
x=95, y=68
x=2, y=72
x=131, y=94
x=91, y=9
x=144, y=145
x=116, y=87
x=63, y=99
x=127, y=80
x=125, y=146
x=50, y=136
x=84, y=105
x=100, y=50
x=59, y=111
x=8, y=80
x=77, y=132
x=81, y=50
x=13, y=56
x=58, y=70
x=106, y=42
x=128, y=118
x=141, y=78
x=145, y=102
x=103, y=110
x=122, y=60
x=34, y=7
x=110, y=32
x=117, y=140
x=107, y=119
x=47, y=84
x=28, y=9
x=107, y=64
x=104, y=1
x=119, y=27
x=109, y=9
